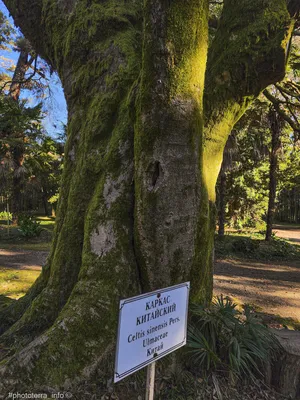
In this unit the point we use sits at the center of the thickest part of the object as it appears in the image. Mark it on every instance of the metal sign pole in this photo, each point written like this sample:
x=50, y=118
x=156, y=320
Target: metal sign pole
x=150, y=381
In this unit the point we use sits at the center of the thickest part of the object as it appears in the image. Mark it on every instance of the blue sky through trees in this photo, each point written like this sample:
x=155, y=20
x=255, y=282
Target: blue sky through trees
x=55, y=107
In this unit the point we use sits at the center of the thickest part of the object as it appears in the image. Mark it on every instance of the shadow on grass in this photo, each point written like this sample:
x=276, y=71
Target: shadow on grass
x=5, y=301
x=278, y=322
x=254, y=247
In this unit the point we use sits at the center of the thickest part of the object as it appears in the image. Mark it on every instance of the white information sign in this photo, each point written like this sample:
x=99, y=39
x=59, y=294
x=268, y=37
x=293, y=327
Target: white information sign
x=151, y=326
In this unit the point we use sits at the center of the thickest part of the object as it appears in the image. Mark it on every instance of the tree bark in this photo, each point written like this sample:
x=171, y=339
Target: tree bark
x=18, y=150
x=275, y=123
x=285, y=372
x=45, y=201
x=136, y=210
x=222, y=203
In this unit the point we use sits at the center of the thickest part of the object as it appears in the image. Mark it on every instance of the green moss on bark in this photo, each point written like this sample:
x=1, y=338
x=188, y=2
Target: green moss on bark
x=168, y=136
x=98, y=124
x=248, y=53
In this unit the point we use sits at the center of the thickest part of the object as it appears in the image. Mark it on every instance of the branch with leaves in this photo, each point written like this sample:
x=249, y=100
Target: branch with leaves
x=286, y=103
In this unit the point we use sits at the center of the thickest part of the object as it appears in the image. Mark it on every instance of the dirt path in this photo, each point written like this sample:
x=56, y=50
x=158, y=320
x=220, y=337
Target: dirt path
x=22, y=259
x=288, y=233
x=272, y=286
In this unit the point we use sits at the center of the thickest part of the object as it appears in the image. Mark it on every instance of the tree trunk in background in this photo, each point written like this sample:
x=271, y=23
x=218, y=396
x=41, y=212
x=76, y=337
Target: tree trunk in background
x=228, y=155
x=18, y=150
x=222, y=203
x=19, y=75
x=45, y=202
x=276, y=126
x=137, y=204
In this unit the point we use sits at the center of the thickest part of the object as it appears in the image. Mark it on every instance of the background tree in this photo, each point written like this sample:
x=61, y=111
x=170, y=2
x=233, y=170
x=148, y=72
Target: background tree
x=40, y=171
x=276, y=128
x=230, y=152
x=248, y=181
x=288, y=206
x=15, y=117
x=148, y=122
x=245, y=197
x=43, y=160
x=21, y=127
x=284, y=100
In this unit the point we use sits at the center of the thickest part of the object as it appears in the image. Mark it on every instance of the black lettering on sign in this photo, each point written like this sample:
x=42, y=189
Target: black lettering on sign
x=173, y=320
x=153, y=350
x=155, y=314
x=149, y=342
x=158, y=302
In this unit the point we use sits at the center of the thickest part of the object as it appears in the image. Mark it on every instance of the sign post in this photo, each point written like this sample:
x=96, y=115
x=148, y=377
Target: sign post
x=150, y=381
x=151, y=326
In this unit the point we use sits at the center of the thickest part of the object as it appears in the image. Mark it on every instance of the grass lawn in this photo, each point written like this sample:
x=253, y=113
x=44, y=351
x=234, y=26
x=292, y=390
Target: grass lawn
x=251, y=245
x=14, y=283
x=12, y=239
x=14, y=280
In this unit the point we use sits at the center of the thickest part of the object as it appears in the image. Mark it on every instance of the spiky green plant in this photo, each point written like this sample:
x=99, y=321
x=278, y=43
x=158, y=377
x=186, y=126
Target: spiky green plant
x=221, y=338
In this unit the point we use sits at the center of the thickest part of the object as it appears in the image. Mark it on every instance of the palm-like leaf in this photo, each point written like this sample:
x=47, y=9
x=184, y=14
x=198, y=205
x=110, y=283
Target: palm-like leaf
x=220, y=336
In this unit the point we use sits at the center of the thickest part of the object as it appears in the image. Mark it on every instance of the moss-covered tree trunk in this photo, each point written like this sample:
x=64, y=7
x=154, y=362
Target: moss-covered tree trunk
x=136, y=210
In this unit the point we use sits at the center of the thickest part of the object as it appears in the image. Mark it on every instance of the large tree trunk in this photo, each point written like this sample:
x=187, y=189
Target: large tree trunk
x=136, y=210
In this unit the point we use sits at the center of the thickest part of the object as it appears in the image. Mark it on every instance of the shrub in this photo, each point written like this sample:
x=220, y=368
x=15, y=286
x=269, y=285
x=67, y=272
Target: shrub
x=28, y=226
x=244, y=245
x=221, y=338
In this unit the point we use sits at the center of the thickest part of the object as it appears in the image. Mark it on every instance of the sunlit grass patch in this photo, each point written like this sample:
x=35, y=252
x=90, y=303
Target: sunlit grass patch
x=14, y=283
x=46, y=222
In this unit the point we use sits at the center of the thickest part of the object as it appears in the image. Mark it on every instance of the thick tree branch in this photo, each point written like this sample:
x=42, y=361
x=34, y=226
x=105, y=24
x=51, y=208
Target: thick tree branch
x=249, y=52
x=288, y=92
x=28, y=16
x=18, y=82
x=251, y=33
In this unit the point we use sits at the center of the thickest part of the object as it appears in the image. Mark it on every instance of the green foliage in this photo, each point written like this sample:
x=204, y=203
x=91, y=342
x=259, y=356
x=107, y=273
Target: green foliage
x=28, y=226
x=17, y=118
x=255, y=247
x=5, y=215
x=44, y=164
x=19, y=126
x=244, y=245
x=21, y=130
x=54, y=199
x=177, y=383
x=30, y=161
x=6, y=31
x=247, y=181
x=247, y=176
x=221, y=338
